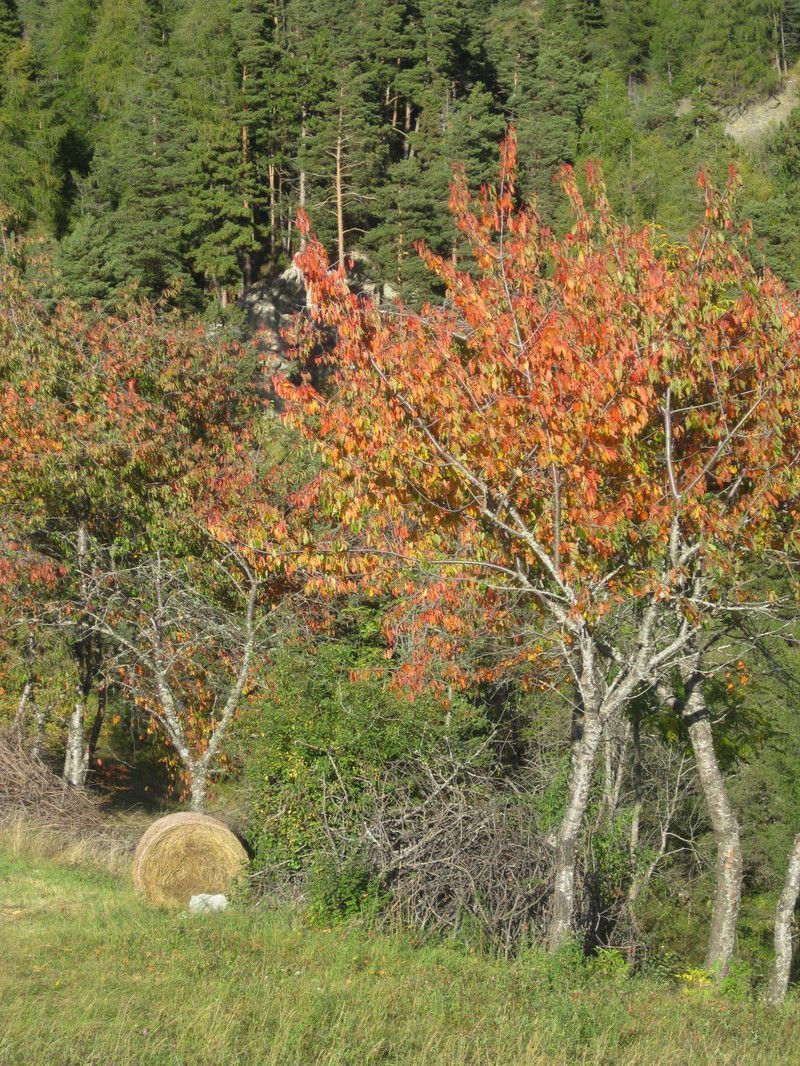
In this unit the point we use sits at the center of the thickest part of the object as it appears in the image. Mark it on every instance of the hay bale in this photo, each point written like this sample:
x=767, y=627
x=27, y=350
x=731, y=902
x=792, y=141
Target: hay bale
x=183, y=855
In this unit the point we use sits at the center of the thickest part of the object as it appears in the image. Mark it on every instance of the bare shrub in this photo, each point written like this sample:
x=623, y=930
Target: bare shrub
x=30, y=793
x=453, y=849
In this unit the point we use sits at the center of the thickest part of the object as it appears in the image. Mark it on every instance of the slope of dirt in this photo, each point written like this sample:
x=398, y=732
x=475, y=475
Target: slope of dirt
x=754, y=121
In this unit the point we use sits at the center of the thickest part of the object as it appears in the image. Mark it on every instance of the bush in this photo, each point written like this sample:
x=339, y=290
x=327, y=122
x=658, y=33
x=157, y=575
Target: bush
x=322, y=741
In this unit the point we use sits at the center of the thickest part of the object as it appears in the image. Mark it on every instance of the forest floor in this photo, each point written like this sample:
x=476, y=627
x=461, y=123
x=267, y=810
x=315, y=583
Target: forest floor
x=91, y=975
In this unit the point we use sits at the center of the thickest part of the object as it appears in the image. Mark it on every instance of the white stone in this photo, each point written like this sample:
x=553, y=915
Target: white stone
x=206, y=901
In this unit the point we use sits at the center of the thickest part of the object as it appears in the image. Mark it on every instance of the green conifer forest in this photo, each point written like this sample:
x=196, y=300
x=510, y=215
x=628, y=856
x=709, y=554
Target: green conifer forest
x=218, y=119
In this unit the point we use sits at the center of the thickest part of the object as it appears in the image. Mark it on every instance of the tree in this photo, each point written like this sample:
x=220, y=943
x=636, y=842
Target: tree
x=627, y=34
x=739, y=48
x=186, y=657
x=547, y=434
x=609, y=133
x=343, y=151
x=110, y=426
x=10, y=26
x=133, y=204
x=30, y=179
x=414, y=202
x=779, y=981
x=548, y=114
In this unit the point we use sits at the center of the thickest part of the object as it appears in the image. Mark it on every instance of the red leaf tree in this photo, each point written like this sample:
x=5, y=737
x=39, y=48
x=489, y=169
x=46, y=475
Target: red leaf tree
x=592, y=429
x=120, y=436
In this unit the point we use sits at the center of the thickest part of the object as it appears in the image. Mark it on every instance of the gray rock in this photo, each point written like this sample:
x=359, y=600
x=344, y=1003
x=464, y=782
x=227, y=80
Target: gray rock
x=271, y=306
x=206, y=902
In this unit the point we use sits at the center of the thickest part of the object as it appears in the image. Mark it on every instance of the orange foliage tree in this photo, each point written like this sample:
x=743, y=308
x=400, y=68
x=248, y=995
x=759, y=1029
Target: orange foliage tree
x=590, y=433
x=120, y=436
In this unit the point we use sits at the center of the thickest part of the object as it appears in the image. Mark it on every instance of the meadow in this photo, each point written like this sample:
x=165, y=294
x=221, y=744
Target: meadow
x=91, y=975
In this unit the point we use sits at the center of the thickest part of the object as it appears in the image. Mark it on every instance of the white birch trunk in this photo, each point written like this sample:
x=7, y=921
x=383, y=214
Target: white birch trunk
x=562, y=905
x=76, y=763
x=784, y=916
x=728, y=894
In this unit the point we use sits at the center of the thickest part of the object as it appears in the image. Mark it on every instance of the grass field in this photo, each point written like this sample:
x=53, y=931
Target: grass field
x=90, y=975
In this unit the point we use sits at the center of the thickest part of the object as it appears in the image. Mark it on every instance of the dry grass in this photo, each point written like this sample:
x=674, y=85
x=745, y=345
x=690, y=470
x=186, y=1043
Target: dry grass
x=41, y=816
x=23, y=837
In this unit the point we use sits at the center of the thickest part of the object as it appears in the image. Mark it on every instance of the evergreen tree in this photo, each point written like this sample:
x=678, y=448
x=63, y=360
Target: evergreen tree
x=627, y=35
x=219, y=225
x=739, y=48
x=30, y=180
x=133, y=205
x=676, y=27
x=610, y=135
x=512, y=41
x=10, y=27
x=414, y=200
x=344, y=149
x=549, y=117
x=790, y=31
x=126, y=35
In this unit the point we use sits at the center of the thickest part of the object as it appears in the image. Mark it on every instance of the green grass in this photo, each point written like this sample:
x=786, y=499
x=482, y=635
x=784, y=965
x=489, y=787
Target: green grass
x=89, y=974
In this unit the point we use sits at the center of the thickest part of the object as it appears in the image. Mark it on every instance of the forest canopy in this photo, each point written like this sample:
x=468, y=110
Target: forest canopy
x=169, y=143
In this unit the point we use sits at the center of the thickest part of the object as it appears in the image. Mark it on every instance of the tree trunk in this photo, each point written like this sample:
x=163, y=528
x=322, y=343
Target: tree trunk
x=301, y=195
x=272, y=211
x=562, y=905
x=339, y=197
x=197, y=787
x=27, y=698
x=40, y=721
x=18, y=723
x=784, y=915
x=722, y=939
x=75, y=762
x=637, y=789
x=97, y=725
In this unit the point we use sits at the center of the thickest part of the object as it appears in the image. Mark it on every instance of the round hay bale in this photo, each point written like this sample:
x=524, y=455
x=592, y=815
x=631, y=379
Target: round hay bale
x=184, y=854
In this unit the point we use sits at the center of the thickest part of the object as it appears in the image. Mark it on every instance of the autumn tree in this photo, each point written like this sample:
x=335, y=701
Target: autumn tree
x=185, y=658
x=192, y=621
x=592, y=430
x=110, y=426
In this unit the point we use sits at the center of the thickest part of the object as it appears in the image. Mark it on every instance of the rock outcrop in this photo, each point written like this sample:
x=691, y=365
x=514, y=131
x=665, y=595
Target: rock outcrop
x=270, y=306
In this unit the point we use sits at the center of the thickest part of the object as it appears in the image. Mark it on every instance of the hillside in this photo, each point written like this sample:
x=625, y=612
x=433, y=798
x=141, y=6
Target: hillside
x=170, y=144
x=399, y=530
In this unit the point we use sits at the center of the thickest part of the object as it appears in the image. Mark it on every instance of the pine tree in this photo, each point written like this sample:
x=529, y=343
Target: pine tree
x=610, y=135
x=344, y=149
x=512, y=41
x=414, y=199
x=549, y=117
x=30, y=180
x=449, y=114
x=219, y=225
x=10, y=27
x=126, y=34
x=627, y=35
x=738, y=48
x=134, y=203
x=676, y=28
